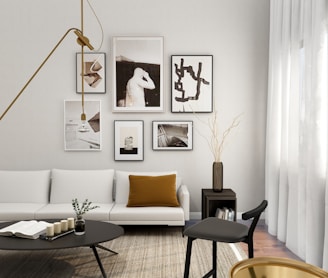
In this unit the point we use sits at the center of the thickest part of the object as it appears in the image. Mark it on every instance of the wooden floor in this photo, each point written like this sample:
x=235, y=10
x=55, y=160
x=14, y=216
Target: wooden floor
x=266, y=245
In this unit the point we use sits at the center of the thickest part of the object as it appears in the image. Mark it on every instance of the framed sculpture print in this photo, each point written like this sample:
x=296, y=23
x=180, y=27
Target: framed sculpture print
x=192, y=83
x=173, y=135
x=94, y=72
x=82, y=136
x=138, y=74
x=128, y=142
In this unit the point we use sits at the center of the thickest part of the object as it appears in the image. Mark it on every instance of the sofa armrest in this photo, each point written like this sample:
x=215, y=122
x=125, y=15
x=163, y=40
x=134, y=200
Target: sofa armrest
x=184, y=200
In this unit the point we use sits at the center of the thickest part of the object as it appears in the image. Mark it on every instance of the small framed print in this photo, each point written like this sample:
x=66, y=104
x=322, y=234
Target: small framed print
x=138, y=74
x=82, y=136
x=173, y=135
x=192, y=83
x=94, y=79
x=129, y=141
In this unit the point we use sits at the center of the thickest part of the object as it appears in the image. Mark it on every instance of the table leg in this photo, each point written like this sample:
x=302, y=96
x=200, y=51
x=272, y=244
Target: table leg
x=94, y=249
x=105, y=248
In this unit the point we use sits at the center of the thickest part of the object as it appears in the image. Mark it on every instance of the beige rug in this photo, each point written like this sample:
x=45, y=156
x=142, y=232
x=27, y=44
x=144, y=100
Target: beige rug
x=144, y=252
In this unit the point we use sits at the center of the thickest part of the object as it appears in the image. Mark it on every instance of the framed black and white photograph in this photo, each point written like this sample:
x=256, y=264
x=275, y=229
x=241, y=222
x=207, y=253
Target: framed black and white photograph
x=94, y=78
x=192, y=83
x=82, y=135
x=129, y=141
x=173, y=135
x=138, y=74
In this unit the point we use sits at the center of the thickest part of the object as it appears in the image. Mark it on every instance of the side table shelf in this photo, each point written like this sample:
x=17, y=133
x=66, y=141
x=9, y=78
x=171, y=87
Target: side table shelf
x=212, y=200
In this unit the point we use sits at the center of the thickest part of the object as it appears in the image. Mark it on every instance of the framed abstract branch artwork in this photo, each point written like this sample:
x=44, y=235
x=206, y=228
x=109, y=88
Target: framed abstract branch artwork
x=94, y=73
x=128, y=141
x=192, y=83
x=138, y=74
x=172, y=135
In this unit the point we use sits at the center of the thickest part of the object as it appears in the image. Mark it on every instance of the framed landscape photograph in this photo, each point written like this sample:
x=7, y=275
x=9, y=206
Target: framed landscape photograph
x=138, y=74
x=192, y=83
x=78, y=135
x=173, y=135
x=94, y=72
x=129, y=141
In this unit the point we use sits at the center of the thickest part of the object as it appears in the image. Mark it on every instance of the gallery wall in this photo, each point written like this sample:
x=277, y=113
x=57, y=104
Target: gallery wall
x=235, y=32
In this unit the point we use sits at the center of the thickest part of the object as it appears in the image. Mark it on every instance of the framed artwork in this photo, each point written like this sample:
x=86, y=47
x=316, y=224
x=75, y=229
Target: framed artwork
x=94, y=73
x=78, y=135
x=138, y=74
x=173, y=135
x=192, y=83
x=128, y=141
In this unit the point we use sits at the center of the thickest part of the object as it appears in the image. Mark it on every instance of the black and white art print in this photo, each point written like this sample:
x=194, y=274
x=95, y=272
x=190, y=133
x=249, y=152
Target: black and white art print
x=172, y=135
x=138, y=74
x=82, y=135
x=128, y=142
x=192, y=83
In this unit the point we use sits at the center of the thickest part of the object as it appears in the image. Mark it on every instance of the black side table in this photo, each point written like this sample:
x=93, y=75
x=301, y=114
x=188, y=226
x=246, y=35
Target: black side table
x=212, y=200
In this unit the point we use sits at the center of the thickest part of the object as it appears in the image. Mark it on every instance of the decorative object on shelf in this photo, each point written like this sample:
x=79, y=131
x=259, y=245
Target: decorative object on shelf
x=216, y=143
x=82, y=41
x=217, y=176
x=80, y=210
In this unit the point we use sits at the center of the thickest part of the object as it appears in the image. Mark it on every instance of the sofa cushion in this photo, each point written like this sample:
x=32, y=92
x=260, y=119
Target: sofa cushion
x=152, y=191
x=122, y=184
x=94, y=185
x=18, y=211
x=24, y=186
x=121, y=212
x=62, y=211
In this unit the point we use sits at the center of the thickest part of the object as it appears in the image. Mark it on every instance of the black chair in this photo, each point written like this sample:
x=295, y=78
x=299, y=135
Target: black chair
x=219, y=230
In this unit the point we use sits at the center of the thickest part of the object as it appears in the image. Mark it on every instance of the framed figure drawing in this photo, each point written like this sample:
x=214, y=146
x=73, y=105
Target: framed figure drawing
x=94, y=73
x=82, y=136
x=192, y=83
x=173, y=135
x=128, y=141
x=138, y=74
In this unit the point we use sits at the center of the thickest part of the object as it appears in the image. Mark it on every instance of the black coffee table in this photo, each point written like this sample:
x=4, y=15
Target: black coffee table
x=96, y=232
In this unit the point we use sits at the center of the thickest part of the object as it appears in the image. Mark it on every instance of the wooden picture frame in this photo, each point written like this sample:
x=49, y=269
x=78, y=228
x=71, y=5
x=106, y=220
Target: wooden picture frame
x=192, y=83
x=129, y=140
x=94, y=73
x=138, y=74
x=172, y=135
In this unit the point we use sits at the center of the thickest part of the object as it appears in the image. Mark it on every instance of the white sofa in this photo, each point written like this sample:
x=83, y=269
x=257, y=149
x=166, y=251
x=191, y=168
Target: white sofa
x=47, y=194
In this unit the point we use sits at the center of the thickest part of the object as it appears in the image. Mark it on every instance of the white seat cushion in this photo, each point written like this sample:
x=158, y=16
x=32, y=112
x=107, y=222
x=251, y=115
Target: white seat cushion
x=63, y=211
x=94, y=185
x=121, y=212
x=18, y=211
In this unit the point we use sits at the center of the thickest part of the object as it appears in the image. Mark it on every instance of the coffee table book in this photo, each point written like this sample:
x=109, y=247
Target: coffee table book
x=30, y=229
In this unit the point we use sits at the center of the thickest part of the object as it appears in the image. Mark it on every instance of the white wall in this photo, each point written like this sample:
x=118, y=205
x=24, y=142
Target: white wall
x=235, y=32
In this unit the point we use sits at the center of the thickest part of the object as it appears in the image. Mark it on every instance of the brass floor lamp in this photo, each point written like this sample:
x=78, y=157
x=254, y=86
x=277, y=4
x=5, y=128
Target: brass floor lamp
x=82, y=41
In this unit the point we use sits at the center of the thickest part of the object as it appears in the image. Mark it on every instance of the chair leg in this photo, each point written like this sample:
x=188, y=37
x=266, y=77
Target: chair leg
x=188, y=257
x=250, y=249
x=212, y=272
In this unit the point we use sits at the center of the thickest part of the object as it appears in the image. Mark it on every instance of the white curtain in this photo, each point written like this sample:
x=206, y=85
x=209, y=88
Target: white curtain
x=296, y=145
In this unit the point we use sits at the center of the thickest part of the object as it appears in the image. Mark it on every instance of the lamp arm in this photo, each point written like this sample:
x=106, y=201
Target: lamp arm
x=82, y=40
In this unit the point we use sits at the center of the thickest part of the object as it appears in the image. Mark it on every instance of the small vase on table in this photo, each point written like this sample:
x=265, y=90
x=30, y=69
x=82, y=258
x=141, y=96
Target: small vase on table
x=217, y=181
x=79, y=226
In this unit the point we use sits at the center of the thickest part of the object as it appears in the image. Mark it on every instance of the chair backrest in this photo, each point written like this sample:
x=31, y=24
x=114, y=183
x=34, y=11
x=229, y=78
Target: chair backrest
x=255, y=214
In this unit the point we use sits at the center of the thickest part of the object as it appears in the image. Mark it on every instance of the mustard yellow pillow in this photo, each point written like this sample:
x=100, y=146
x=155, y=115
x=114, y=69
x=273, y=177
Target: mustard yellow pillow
x=153, y=191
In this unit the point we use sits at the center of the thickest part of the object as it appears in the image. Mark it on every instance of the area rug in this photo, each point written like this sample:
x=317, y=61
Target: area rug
x=143, y=252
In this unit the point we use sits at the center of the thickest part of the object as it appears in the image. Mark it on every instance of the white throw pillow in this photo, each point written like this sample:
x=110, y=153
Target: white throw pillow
x=122, y=184
x=94, y=185
x=24, y=186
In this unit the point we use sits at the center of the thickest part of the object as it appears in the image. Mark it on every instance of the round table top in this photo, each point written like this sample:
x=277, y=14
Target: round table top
x=275, y=267
x=96, y=232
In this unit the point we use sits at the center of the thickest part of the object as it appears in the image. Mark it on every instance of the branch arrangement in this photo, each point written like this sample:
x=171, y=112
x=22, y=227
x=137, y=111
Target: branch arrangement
x=216, y=143
x=86, y=206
